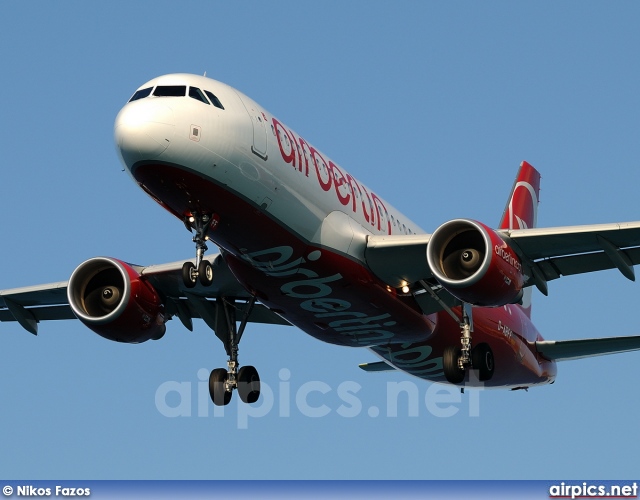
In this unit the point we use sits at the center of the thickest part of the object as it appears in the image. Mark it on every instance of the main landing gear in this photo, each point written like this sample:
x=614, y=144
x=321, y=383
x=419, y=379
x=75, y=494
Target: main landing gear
x=456, y=360
x=246, y=379
x=202, y=269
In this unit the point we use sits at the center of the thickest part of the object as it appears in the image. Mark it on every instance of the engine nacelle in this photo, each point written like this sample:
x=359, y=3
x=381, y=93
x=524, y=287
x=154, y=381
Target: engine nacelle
x=110, y=297
x=474, y=264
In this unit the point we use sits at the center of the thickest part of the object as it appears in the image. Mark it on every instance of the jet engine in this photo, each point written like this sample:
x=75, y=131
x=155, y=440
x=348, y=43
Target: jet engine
x=474, y=264
x=112, y=299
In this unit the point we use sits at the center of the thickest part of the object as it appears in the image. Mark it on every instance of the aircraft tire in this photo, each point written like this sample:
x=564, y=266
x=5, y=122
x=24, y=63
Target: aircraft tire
x=452, y=371
x=205, y=273
x=188, y=274
x=482, y=360
x=217, y=390
x=248, y=384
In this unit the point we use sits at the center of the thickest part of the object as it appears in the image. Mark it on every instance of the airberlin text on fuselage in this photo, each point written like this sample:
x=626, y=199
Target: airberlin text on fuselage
x=315, y=295
x=299, y=153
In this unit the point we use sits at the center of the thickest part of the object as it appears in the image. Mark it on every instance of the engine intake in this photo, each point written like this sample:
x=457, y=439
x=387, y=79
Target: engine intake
x=474, y=264
x=111, y=298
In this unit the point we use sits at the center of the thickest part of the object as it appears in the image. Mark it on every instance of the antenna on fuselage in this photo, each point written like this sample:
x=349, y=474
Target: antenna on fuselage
x=205, y=74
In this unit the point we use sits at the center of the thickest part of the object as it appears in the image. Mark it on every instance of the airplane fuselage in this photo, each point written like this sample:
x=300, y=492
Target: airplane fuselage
x=293, y=228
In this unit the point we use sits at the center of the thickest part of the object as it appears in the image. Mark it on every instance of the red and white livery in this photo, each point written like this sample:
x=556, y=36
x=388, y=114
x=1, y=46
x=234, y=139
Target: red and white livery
x=304, y=243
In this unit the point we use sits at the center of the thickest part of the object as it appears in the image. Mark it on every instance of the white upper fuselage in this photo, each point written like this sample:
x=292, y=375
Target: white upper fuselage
x=244, y=147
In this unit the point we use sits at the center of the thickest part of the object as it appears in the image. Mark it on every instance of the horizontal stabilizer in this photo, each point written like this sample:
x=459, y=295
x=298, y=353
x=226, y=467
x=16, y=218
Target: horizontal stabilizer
x=561, y=350
x=379, y=366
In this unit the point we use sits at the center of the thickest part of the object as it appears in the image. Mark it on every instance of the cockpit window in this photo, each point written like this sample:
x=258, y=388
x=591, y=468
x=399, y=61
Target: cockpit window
x=196, y=93
x=214, y=100
x=178, y=91
x=141, y=94
x=170, y=91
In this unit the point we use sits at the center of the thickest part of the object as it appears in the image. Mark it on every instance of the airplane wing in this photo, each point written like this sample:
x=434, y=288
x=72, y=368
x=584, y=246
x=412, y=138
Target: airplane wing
x=30, y=305
x=548, y=253
x=399, y=260
x=562, y=350
x=388, y=256
x=563, y=251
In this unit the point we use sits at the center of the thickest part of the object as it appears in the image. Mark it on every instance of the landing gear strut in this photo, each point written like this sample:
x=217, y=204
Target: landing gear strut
x=202, y=269
x=246, y=379
x=456, y=360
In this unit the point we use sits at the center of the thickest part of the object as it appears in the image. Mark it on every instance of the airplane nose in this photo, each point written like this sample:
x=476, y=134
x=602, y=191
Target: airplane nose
x=143, y=130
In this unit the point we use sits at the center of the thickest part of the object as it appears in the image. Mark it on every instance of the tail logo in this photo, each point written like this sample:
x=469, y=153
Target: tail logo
x=523, y=209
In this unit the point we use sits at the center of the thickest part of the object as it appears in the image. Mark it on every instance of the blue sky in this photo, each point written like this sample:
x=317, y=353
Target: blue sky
x=431, y=104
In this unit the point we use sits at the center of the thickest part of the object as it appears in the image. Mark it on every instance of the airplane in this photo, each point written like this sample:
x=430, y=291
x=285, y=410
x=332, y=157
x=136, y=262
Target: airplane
x=302, y=242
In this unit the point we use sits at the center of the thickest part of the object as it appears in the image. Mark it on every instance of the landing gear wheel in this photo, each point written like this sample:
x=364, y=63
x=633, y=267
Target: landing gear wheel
x=482, y=360
x=452, y=371
x=217, y=387
x=205, y=273
x=189, y=276
x=248, y=384
x=246, y=379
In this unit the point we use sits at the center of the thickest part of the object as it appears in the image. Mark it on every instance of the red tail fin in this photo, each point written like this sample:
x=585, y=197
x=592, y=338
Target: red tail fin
x=521, y=211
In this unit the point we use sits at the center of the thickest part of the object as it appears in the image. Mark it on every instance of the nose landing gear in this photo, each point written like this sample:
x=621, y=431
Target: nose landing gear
x=202, y=269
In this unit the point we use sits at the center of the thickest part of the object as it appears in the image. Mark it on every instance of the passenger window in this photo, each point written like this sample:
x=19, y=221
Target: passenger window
x=196, y=93
x=170, y=91
x=141, y=94
x=214, y=100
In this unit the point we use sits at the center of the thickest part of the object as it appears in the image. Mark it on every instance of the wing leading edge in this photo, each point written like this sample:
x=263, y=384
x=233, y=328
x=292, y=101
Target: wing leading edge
x=545, y=253
x=564, y=251
x=31, y=305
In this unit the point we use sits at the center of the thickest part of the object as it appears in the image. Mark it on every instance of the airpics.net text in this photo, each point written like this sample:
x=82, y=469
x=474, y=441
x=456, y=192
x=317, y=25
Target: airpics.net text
x=316, y=399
